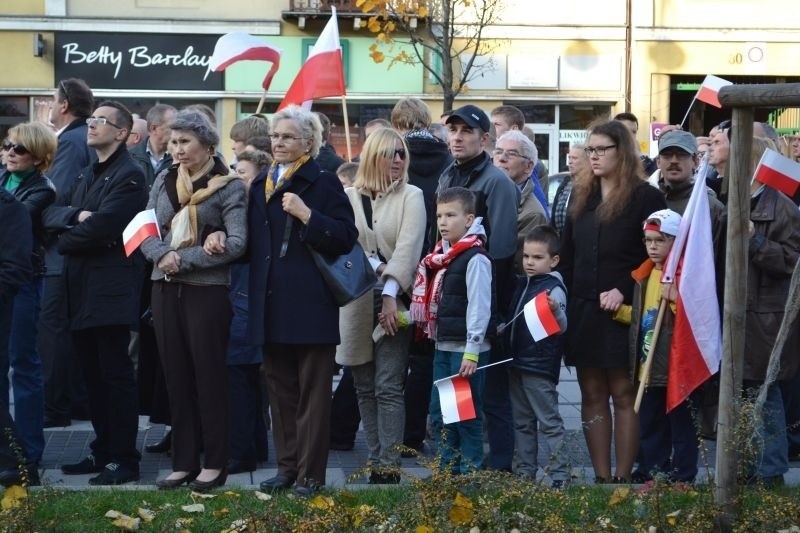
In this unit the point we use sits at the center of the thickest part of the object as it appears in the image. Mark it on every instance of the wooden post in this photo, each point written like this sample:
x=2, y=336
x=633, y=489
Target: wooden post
x=733, y=314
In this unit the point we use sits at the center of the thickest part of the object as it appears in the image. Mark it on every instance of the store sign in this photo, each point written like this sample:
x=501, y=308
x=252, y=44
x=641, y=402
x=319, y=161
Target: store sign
x=137, y=60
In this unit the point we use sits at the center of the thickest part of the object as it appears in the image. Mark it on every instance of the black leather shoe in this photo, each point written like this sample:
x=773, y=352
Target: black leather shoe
x=168, y=484
x=279, y=482
x=89, y=465
x=308, y=489
x=205, y=486
x=27, y=476
x=384, y=477
x=237, y=467
x=115, y=474
x=162, y=446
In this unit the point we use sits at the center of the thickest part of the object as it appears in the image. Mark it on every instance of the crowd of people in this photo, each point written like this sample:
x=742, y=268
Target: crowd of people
x=223, y=328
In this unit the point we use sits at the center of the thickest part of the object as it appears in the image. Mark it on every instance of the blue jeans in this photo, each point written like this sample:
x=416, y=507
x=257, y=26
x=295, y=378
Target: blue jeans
x=460, y=444
x=499, y=418
x=23, y=358
x=772, y=456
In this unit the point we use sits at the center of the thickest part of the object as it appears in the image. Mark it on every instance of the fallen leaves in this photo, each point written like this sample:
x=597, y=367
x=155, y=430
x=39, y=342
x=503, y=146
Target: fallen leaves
x=619, y=495
x=461, y=511
x=13, y=497
x=194, y=508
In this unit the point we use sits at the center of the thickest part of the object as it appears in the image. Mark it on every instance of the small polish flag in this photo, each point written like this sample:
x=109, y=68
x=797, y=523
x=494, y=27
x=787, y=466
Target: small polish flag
x=455, y=398
x=143, y=225
x=240, y=46
x=779, y=172
x=709, y=90
x=540, y=319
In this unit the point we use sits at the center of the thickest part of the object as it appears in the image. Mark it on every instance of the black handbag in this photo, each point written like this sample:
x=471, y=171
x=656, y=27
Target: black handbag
x=348, y=276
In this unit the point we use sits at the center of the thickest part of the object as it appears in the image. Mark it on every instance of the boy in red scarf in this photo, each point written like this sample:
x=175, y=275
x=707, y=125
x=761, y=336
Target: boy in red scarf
x=452, y=301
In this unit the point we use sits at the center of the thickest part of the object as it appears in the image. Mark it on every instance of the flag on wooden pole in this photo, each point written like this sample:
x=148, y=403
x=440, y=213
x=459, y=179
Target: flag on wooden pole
x=779, y=172
x=709, y=90
x=240, y=46
x=539, y=318
x=323, y=72
x=455, y=398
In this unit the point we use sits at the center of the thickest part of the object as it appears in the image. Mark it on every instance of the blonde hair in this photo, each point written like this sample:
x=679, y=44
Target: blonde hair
x=39, y=140
x=373, y=173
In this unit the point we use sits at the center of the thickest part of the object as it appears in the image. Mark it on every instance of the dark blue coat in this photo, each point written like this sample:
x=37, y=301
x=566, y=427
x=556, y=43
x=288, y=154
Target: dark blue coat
x=240, y=351
x=289, y=301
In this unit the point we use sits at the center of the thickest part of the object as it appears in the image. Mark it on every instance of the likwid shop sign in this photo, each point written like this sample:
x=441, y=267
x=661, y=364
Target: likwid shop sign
x=137, y=60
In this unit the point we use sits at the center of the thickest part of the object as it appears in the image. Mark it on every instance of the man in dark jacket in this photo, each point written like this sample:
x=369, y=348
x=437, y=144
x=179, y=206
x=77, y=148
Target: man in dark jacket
x=497, y=200
x=101, y=283
x=152, y=154
x=16, y=242
x=327, y=158
x=65, y=392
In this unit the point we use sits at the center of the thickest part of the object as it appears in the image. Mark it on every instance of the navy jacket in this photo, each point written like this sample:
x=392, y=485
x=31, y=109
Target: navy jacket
x=16, y=242
x=289, y=301
x=72, y=155
x=241, y=352
x=101, y=282
x=542, y=358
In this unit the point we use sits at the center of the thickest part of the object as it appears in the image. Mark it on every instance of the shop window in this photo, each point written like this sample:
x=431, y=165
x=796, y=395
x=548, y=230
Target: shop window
x=13, y=110
x=579, y=116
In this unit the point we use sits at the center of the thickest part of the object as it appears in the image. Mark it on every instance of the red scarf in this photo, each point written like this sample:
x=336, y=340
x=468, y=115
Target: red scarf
x=427, y=293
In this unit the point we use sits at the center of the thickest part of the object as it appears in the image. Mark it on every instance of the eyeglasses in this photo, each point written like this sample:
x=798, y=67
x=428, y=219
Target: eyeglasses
x=401, y=153
x=100, y=121
x=680, y=154
x=283, y=137
x=498, y=152
x=16, y=148
x=64, y=90
x=658, y=241
x=599, y=150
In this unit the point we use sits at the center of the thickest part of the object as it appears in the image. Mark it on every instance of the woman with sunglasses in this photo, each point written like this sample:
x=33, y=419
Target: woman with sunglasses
x=601, y=246
x=390, y=217
x=30, y=150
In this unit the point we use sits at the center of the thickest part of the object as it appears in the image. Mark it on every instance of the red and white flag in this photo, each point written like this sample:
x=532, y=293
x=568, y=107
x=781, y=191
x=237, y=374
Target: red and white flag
x=143, y=225
x=539, y=318
x=323, y=72
x=779, y=172
x=240, y=46
x=709, y=90
x=696, y=349
x=455, y=398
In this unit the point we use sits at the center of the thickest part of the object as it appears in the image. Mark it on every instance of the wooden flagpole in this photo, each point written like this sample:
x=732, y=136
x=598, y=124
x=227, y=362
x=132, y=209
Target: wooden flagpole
x=648, y=364
x=261, y=102
x=688, y=110
x=347, y=129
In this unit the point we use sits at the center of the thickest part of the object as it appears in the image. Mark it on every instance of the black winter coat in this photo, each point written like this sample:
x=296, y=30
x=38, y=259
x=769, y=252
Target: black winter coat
x=289, y=301
x=101, y=282
x=16, y=240
x=36, y=193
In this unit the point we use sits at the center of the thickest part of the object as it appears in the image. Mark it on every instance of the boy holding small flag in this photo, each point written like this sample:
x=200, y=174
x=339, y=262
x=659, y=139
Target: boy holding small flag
x=537, y=361
x=453, y=301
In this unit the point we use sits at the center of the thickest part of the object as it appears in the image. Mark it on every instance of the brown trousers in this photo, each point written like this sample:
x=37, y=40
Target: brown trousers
x=299, y=382
x=192, y=325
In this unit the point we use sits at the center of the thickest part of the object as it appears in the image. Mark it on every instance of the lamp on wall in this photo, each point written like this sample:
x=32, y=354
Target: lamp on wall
x=38, y=45
x=301, y=22
x=357, y=23
x=412, y=23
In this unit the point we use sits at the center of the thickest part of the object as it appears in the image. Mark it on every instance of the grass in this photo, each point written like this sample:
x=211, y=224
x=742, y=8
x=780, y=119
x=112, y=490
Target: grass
x=489, y=501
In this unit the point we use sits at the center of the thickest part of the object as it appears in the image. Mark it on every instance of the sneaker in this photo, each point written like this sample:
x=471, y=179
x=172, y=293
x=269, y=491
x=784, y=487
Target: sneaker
x=88, y=466
x=115, y=474
x=560, y=484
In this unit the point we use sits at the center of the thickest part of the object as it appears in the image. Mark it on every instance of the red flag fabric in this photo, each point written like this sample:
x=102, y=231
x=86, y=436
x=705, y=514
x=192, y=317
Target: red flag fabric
x=709, y=90
x=143, y=225
x=455, y=398
x=696, y=349
x=778, y=172
x=240, y=46
x=323, y=72
x=539, y=318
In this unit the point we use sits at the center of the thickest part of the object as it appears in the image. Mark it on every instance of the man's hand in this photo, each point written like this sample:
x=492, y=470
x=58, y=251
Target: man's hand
x=468, y=368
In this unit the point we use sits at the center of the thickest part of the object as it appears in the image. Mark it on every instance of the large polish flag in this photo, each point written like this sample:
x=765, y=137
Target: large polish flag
x=709, y=90
x=539, y=318
x=240, y=46
x=455, y=398
x=696, y=349
x=143, y=225
x=323, y=72
x=778, y=172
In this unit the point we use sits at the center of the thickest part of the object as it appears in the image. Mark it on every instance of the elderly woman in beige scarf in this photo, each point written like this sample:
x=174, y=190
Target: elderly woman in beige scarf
x=191, y=308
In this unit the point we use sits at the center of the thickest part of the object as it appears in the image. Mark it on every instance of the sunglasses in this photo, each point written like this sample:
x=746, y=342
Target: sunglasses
x=399, y=153
x=16, y=148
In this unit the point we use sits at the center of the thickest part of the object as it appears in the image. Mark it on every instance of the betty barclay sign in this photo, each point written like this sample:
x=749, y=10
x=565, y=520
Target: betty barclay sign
x=137, y=60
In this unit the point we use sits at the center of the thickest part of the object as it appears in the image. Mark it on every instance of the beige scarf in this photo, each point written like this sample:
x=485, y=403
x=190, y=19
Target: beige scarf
x=184, y=223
